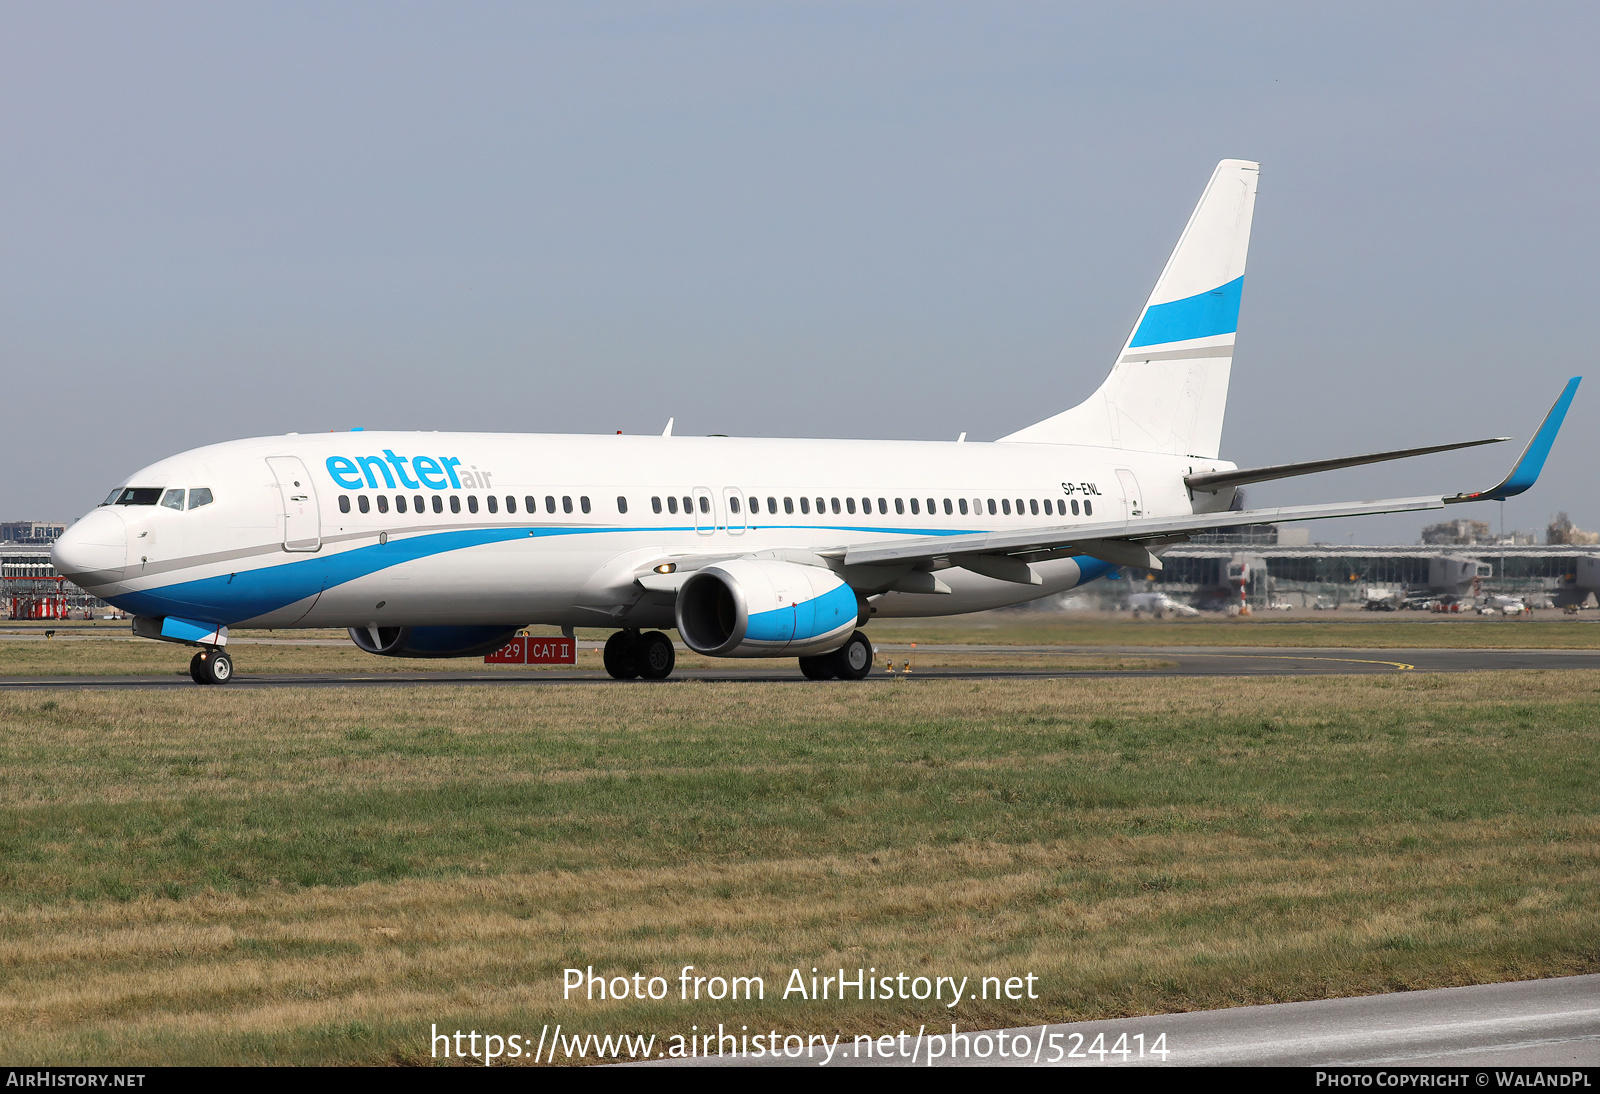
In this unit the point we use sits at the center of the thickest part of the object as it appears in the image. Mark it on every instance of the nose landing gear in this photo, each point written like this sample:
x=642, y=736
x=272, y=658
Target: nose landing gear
x=211, y=666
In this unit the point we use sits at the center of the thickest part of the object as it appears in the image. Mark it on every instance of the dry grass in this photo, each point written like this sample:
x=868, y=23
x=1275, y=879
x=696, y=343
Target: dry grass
x=316, y=875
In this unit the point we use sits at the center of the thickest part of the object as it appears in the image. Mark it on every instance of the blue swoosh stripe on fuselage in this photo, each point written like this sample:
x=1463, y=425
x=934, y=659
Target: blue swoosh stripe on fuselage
x=248, y=594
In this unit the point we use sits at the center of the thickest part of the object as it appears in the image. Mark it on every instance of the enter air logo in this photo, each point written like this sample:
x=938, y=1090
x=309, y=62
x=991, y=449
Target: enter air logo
x=430, y=472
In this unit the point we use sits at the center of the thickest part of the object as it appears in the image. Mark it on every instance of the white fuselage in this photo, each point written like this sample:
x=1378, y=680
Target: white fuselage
x=366, y=529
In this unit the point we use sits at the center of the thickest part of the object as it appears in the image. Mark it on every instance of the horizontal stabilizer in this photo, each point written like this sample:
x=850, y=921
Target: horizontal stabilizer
x=1218, y=480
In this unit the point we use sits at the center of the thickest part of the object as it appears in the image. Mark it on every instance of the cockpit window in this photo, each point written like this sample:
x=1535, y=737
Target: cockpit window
x=200, y=495
x=172, y=499
x=139, y=495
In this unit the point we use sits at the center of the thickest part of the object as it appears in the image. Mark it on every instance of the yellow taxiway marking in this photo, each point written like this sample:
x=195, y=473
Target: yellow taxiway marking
x=1401, y=665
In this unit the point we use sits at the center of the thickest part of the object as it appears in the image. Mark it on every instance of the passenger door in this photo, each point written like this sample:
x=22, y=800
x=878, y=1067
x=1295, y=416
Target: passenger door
x=302, y=523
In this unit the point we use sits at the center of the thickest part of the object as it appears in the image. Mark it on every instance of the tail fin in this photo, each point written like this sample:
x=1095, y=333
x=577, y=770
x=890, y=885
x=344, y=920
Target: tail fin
x=1169, y=387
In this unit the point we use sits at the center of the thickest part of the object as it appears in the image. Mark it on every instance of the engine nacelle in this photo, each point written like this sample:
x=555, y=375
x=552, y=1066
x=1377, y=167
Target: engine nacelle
x=430, y=641
x=760, y=608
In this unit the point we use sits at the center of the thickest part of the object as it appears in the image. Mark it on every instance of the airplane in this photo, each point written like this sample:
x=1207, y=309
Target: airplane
x=446, y=544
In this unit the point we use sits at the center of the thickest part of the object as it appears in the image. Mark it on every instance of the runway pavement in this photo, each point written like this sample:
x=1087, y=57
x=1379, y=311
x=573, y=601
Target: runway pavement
x=1531, y=1023
x=1053, y=662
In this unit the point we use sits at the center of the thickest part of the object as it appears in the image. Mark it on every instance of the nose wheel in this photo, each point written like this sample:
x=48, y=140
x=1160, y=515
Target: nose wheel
x=211, y=667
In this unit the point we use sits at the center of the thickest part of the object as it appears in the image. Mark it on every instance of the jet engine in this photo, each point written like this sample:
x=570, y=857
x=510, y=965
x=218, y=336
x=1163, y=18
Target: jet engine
x=431, y=641
x=763, y=608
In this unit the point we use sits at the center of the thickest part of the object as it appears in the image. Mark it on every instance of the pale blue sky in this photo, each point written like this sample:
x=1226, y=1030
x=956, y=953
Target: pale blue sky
x=896, y=220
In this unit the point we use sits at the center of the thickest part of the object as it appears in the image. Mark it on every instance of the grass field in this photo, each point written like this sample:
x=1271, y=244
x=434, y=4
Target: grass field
x=316, y=876
x=70, y=655
x=118, y=657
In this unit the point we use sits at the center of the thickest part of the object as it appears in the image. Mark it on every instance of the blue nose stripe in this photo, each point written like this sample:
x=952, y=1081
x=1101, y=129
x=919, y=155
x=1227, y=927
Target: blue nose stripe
x=251, y=593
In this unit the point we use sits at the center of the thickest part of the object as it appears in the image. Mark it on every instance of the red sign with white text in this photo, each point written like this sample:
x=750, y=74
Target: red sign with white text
x=535, y=651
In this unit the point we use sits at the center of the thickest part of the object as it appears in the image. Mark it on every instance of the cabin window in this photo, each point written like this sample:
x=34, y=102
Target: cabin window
x=947, y=509
x=418, y=503
x=511, y=504
x=583, y=503
x=733, y=503
x=172, y=499
x=772, y=505
x=200, y=495
x=991, y=507
x=363, y=504
x=822, y=508
x=788, y=505
x=438, y=504
x=916, y=510
x=850, y=505
x=472, y=503
x=530, y=504
x=963, y=504
x=566, y=503
x=655, y=504
x=900, y=507
x=883, y=506
x=622, y=504
x=1047, y=508
x=836, y=505
x=1088, y=507
x=1033, y=506
x=805, y=506
x=672, y=505
x=1005, y=505
x=705, y=504
x=493, y=503
x=549, y=503
x=399, y=503
x=383, y=503
x=455, y=503
x=1074, y=506
x=344, y=503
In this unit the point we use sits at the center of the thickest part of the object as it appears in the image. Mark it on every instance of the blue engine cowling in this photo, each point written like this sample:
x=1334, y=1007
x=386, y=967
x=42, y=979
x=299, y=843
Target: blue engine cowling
x=431, y=641
x=760, y=608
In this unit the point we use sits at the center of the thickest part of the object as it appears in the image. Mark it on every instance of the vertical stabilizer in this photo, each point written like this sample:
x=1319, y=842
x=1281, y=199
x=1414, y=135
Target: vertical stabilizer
x=1169, y=386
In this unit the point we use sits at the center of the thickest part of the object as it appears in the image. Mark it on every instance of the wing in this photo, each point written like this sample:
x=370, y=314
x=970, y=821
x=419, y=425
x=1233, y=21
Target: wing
x=1129, y=542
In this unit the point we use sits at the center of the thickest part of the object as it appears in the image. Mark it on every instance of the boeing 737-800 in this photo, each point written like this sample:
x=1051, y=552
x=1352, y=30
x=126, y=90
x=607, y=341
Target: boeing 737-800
x=445, y=544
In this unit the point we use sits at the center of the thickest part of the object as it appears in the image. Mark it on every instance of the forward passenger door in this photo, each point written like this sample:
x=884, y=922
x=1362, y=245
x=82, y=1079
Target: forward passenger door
x=302, y=523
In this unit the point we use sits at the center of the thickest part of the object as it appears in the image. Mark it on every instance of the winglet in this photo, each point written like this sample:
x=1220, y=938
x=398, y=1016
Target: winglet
x=1526, y=470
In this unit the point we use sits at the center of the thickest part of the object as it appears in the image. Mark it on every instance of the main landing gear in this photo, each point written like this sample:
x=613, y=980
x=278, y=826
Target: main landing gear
x=211, y=666
x=851, y=661
x=629, y=654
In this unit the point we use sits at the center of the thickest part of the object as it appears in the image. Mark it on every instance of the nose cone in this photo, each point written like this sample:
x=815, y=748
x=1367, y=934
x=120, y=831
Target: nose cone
x=93, y=551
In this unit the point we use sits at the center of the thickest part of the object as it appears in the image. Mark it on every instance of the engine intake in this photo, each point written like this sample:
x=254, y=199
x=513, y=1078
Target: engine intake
x=761, y=608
